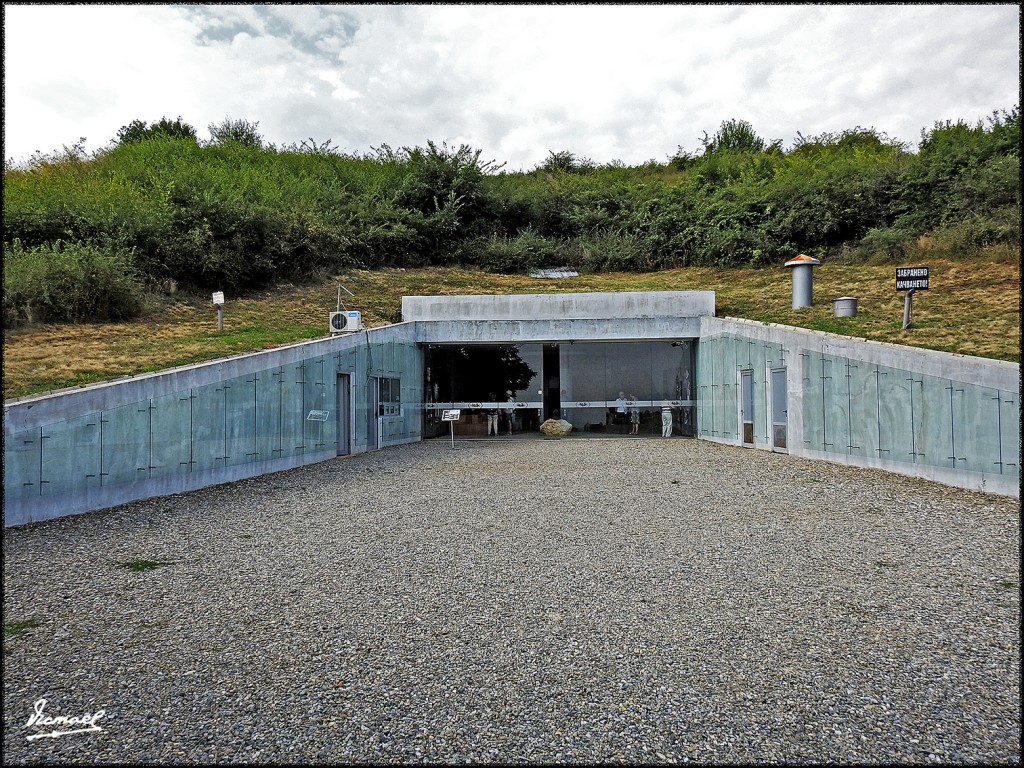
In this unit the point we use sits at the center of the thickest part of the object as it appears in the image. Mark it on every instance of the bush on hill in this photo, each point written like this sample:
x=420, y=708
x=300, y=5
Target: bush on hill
x=235, y=213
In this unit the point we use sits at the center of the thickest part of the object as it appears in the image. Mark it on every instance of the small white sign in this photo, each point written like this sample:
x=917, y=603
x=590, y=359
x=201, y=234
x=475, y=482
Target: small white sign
x=452, y=415
x=318, y=415
x=218, y=297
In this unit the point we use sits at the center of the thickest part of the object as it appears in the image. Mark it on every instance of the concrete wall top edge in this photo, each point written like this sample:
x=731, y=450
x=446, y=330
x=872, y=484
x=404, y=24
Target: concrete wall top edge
x=38, y=408
x=550, y=306
x=999, y=373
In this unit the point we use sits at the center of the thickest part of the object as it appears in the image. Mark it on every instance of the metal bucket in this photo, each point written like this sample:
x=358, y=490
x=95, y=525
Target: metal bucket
x=845, y=306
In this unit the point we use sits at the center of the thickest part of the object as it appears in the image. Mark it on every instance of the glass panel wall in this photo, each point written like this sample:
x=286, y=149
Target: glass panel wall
x=622, y=387
x=483, y=380
x=600, y=387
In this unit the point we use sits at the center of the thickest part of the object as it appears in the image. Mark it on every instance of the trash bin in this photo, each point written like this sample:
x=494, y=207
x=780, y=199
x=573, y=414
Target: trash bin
x=845, y=306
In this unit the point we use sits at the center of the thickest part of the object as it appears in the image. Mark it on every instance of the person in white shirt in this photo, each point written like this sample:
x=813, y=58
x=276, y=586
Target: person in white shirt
x=620, y=408
x=666, y=419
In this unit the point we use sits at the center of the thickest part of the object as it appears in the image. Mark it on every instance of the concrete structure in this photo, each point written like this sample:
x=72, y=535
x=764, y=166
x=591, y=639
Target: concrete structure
x=200, y=425
x=950, y=418
x=636, y=305
x=558, y=317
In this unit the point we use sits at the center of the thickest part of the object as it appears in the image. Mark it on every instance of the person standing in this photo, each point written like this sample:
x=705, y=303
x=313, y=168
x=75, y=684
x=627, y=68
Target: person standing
x=492, y=422
x=620, y=409
x=666, y=419
x=634, y=415
x=508, y=417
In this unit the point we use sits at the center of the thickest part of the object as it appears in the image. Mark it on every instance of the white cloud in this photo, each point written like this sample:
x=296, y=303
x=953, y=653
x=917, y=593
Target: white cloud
x=62, y=82
x=607, y=82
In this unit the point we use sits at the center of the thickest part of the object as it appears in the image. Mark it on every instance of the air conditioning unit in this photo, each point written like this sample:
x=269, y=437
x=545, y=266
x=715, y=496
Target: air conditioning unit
x=342, y=322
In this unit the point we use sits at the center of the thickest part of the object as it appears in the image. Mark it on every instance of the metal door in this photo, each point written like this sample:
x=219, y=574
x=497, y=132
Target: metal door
x=747, y=407
x=372, y=413
x=344, y=415
x=779, y=412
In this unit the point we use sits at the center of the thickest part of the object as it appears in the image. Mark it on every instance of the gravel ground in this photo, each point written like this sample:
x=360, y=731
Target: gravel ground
x=555, y=601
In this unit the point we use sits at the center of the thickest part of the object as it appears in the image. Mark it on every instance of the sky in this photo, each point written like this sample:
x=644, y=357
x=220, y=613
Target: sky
x=626, y=83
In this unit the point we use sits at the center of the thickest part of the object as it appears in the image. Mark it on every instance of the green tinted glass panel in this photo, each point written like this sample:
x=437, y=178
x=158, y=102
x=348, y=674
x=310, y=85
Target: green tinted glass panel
x=209, y=427
x=240, y=421
x=813, y=406
x=268, y=414
x=71, y=455
x=172, y=434
x=933, y=420
x=1009, y=432
x=895, y=420
x=863, y=409
x=835, y=404
x=125, y=444
x=976, y=427
x=293, y=409
x=21, y=464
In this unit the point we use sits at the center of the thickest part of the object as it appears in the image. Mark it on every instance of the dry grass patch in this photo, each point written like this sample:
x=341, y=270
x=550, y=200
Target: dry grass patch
x=973, y=308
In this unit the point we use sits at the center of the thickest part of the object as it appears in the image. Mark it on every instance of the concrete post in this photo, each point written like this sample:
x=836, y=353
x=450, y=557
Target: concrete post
x=907, y=300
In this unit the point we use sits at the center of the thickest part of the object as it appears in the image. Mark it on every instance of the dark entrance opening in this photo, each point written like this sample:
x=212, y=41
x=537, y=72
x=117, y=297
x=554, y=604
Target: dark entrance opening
x=601, y=388
x=495, y=386
x=552, y=385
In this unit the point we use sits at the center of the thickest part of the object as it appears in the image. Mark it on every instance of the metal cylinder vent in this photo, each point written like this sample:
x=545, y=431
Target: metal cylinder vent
x=803, y=291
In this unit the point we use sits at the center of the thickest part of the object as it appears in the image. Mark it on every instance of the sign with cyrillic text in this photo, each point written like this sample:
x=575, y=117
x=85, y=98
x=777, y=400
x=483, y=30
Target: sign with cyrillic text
x=911, y=278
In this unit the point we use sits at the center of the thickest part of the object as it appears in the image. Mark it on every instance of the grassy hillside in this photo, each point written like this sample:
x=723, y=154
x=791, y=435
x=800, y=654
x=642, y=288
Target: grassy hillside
x=972, y=308
x=86, y=237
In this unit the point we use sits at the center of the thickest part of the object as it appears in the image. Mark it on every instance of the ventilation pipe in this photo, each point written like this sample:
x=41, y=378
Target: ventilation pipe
x=802, y=290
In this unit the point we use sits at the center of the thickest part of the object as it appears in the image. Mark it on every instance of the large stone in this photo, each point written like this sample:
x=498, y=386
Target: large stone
x=556, y=427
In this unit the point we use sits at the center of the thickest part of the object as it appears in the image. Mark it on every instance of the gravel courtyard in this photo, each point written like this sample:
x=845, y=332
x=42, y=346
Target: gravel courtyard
x=555, y=601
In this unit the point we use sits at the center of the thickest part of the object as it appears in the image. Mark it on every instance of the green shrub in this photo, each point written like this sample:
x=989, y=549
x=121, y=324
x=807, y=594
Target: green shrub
x=238, y=214
x=68, y=282
x=610, y=252
x=513, y=255
x=886, y=244
x=972, y=233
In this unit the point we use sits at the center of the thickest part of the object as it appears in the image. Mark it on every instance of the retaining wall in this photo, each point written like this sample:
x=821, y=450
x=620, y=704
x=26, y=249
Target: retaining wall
x=950, y=418
x=194, y=426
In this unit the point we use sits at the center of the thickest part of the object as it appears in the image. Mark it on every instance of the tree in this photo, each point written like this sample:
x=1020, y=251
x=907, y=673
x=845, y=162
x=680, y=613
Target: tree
x=736, y=136
x=312, y=147
x=486, y=374
x=138, y=130
x=566, y=162
x=957, y=167
x=236, y=131
x=440, y=178
x=682, y=159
